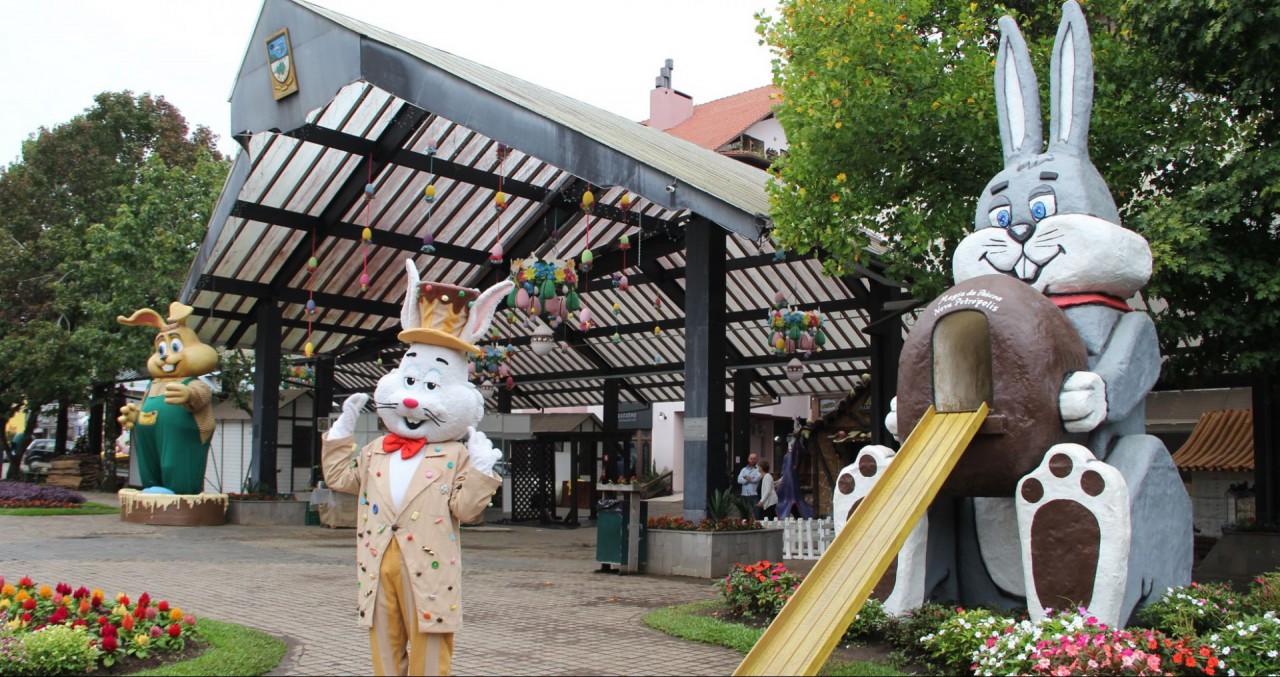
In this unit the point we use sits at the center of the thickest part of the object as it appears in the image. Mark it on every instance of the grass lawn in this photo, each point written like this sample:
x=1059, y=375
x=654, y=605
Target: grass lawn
x=87, y=508
x=691, y=622
x=233, y=650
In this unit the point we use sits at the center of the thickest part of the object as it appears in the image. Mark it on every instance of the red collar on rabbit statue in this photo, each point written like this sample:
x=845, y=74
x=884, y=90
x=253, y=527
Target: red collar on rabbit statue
x=1065, y=301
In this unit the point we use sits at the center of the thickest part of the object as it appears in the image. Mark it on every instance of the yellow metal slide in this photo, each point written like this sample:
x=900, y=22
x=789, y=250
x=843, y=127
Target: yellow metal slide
x=801, y=638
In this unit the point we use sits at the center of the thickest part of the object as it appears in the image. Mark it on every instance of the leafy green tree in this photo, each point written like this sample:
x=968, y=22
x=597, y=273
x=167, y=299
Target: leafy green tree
x=890, y=117
x=102, y=215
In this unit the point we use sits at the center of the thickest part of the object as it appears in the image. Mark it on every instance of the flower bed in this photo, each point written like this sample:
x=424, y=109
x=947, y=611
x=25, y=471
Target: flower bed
x=24, y=495
x=57, y=630
x=678, y=523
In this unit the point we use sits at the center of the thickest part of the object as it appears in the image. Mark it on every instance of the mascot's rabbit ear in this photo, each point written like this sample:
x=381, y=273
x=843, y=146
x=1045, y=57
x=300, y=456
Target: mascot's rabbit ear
x=482, y=312
x=410, y=317
x=1017, y=96
x=142, y=317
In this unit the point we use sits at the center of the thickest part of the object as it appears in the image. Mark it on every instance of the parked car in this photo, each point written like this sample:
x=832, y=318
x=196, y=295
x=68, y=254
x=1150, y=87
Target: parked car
x=38, y=458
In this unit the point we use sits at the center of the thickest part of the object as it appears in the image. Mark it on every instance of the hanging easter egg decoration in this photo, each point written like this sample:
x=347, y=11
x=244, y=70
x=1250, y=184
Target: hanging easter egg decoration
x=779, y=301
x=510, y=383
x=625, y=203
x=657, y=303
x=657, y=359
x=584, y=319
x=587, y=257
x=588, y=201
x=555, y=236
x=657, y=330
x=364, y=281
x=616, y=338
x=429, y=193
x=616, y=278
x=366, y=234
x=617, y=309
x=368, y=191
x=428, y=244
x=431, y=148
x=500, y=201
x=624, y=243
x=309, y=350
x=312, y=264
x=779, y=255
x=622, y=284
x=495, y=254
x=311, y=307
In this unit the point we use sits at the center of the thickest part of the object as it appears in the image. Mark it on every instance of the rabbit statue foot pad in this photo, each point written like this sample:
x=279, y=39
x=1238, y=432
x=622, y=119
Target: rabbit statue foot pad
x=1074, y=529
x=902, y=586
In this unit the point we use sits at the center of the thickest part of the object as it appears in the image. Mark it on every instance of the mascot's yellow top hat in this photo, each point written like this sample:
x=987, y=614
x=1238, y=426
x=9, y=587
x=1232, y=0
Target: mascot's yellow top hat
x=443, y=310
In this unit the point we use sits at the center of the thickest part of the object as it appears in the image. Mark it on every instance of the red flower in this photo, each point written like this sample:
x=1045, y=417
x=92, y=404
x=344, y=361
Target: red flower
x=26, y=617
x=139, y=611
x=162, y=606
x=108, y=631
x=127, y=623
x=109, y=644
x=102, y=620
x=144, y=599
x=1205, y=651
x=175, y=630
x=26, y=582
x=30, y=604
x=58, y=616
x=63, y=588
x=81, y=592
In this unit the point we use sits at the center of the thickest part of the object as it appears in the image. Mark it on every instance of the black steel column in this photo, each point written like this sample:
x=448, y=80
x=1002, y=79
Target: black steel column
x=96, y=413
x=742, y=380
x=611, y=390
x=706, y=467
x=504, y=400
x=1266, y=440
x=266, y=397
x=886, y=348
x=320, y=410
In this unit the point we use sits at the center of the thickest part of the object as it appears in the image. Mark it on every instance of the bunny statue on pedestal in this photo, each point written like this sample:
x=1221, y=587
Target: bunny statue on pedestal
x=1079, y=507
x=173, y=426
x=416, y=484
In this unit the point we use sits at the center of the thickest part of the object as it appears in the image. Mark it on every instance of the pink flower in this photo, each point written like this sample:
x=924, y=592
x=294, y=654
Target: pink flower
x=156, y=631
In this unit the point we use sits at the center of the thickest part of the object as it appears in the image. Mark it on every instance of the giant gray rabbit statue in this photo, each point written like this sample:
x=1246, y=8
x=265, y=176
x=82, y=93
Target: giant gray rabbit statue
x=1107, y=519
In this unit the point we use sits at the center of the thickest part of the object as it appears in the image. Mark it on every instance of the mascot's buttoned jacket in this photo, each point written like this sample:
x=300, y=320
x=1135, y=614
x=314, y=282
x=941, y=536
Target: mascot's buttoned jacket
x=445, y=490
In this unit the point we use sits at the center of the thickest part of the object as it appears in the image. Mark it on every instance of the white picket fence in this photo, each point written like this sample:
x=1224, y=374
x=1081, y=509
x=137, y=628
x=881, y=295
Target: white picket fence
x=803, y=538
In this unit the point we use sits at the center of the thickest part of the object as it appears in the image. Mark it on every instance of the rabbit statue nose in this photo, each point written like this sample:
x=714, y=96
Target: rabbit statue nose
x=410, y=403
x=1022, y=231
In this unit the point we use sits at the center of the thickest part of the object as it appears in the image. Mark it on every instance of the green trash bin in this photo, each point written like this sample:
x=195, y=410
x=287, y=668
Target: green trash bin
x=611, y=531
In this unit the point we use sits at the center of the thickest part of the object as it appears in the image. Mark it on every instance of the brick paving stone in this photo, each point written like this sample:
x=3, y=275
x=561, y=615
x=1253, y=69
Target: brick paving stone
x=533, y=602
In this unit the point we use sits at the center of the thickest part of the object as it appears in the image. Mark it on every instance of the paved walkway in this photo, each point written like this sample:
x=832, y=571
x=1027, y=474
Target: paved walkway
x=532, y=604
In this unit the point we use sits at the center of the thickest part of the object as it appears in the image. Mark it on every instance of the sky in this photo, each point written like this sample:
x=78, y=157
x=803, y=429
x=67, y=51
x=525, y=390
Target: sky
x=55, y=55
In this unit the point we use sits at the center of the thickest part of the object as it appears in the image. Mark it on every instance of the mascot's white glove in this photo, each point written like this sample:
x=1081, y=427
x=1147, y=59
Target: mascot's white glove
x=483, y=455
x=345, y=426
x=1083, y=402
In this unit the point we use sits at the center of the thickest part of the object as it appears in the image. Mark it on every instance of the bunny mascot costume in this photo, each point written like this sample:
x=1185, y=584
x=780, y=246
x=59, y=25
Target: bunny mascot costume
x=1092, y=512
x=429, y=473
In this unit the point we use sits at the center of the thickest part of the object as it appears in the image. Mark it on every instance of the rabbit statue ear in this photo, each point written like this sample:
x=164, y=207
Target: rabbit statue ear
x=409, y=318
x=483, y=309
x=1071, y=83
x=1017, y=94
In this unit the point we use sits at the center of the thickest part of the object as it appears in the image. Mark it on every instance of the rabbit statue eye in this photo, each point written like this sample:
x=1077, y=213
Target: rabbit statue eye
x=432, y=386
x=1043, y=205
x=1001, y=216
x=176, y=346
x=161, y=349
x=410, y=381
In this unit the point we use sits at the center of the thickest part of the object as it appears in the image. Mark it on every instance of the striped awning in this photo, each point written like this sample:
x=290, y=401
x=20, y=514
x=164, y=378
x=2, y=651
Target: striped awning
x=1222, y=441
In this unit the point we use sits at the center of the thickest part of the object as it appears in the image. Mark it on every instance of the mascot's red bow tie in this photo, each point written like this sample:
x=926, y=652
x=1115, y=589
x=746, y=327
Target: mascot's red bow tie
x=407, y=447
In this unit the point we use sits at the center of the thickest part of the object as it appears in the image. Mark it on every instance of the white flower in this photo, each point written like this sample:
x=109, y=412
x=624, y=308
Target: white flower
x=1273, y=653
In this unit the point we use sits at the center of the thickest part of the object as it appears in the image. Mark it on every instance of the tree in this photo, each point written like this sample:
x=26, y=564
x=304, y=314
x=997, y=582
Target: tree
x=104, y=214
x=890, y=116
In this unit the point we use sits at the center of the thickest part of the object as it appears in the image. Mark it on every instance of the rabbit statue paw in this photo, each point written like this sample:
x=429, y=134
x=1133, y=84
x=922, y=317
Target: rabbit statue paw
x=128, y=416
x=891, y=419
x=1083, y=401
x=176, y=393
x=483, y=453
x=346, y=423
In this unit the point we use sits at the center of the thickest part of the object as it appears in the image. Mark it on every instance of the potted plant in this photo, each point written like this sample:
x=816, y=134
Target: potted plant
x=710, y=547
x=259, y=506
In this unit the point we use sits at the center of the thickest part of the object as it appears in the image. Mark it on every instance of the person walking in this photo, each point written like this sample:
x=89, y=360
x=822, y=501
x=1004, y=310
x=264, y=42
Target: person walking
x=767, y=507
x=749, y=478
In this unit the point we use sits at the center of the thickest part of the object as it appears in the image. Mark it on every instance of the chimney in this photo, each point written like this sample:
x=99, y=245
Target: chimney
x=667, y=107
